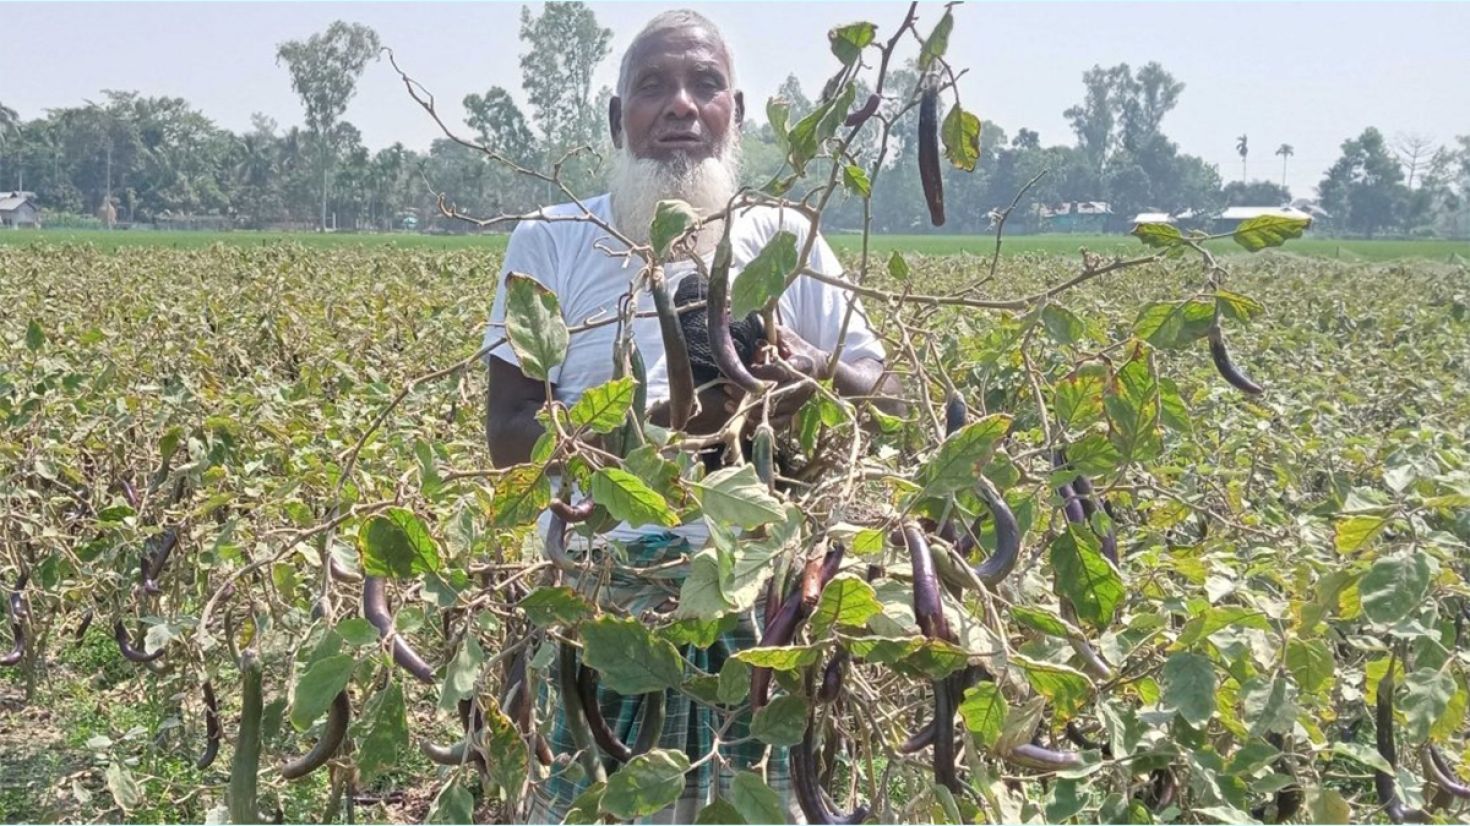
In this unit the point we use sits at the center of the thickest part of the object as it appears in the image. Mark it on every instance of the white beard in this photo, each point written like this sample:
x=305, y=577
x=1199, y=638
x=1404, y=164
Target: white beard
x=638, y=184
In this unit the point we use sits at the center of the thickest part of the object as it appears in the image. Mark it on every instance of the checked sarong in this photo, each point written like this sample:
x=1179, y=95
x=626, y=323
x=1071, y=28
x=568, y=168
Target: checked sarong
x=688, y=726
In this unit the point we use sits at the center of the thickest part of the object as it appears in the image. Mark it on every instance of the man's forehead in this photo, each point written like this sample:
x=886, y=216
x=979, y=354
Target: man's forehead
x=685, y=46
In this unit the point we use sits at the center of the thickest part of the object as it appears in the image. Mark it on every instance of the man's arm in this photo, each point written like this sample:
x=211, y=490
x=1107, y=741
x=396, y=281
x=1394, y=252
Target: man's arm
x=511, y=403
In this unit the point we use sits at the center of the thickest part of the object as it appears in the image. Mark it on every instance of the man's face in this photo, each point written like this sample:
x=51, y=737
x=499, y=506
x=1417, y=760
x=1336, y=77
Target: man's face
x=679, y=100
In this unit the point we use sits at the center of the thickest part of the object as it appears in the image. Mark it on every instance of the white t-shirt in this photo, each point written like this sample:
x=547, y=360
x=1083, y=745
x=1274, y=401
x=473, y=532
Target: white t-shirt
x=567, y=257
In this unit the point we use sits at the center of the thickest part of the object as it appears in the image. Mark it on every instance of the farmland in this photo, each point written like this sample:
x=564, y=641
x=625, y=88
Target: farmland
x=1059, y=244
x=1279, y=555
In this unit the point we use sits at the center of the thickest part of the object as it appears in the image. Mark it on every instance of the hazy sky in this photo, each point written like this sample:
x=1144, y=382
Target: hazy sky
x=1309, y=74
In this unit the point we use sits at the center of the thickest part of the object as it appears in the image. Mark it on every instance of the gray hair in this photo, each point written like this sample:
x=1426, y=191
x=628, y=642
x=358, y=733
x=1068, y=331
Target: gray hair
x=667, y=21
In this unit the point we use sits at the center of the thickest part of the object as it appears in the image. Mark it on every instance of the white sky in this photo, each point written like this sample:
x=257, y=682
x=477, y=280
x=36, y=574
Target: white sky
x=1311, y=74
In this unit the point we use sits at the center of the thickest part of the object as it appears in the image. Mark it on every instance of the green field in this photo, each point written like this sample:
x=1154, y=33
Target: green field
x=1346, y=249
x=1271, y=546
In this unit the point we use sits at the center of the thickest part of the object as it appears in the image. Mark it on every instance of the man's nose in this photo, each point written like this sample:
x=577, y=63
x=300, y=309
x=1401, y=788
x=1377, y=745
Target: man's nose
x=681, y=104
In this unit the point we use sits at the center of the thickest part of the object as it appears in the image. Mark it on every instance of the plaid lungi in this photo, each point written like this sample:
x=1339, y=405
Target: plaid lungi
x=688, y=726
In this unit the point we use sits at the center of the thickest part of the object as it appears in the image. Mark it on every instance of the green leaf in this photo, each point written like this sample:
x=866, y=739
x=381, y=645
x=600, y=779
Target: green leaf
x=1326, y=805
x=1394, y=587
x=754, y=800
x=1159, y=236
x=1066, y=799
x=602, y=409
x=1363, y=753
x=1042, y=621
x=385, y=721
x=1311, y=664
x=670, y=220
x=645, y=784
x=721, y=813
x=124, y=787
x=461, y=673
x=937, y=42
x=1172, y=325
x=1454, y=714
x=1269, y=706
x=957, y=463
x=779, y=657
x=764, y=278
x=777, y=111
x=855, y=178
x=1062, y=324
x=397, y=544
x=702, y=594
x=510, y=757
x=1255, y=234
x=1067, y=689
x=936, y=659
x=1426, y=698
x=551, y=604
x=454, y=804
x=734, y=684
x=960, y=133
x=632, y=660
x=898, y=268
x=316, y=687
x=848, y=43
x=1189, y=687
x=1237, y=306
x=736, y=496
x=35, y=337
x=1085, y=577
x=534, y=325
x=984, y=712
x=883, y=650
x=1215, y=619
x=627, y=498
x=847, y=600
x=521, y=494
x=1078, y=398
x=1352, y=533
x=1094, y=455
x=782, y=721
x=358, y=632
x=586, y=808
x=1172, y=409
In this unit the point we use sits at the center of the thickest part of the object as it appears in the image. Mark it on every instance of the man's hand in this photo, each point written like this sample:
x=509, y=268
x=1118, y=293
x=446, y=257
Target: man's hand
x=805, y=361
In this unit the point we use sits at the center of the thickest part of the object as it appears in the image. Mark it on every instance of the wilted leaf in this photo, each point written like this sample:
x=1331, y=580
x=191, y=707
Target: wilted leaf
x=670, y=219
x=534, y=325
x=960, y=133
x=848, y=43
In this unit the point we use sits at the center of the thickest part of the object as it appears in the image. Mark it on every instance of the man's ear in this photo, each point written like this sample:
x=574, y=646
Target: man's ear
x=615, y=120
x=739, y=108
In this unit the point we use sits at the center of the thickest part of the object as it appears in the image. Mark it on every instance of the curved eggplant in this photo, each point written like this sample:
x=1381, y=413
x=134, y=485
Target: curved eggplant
x=807, y=784
x=1226, y=368
x=919, y=740
x=1037, y=757
x=602, y=733
x=1085, y=491
x=930, y=174
x=1384, y=782
x=125, y=645
x=651, y=724
x=676, y=353
x=576, y=711
x=717, y=313
x=154, y=560
x=82, y=626
x=375, y=611
x=858, y=117
x=781, y=628
x=832, y=676
x=1442, y=773
x=212, y=730
x=333, y=733
x=1007, y=539
x=572, y=514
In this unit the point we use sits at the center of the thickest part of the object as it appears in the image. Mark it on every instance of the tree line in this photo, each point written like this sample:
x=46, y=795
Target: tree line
x=141, y=159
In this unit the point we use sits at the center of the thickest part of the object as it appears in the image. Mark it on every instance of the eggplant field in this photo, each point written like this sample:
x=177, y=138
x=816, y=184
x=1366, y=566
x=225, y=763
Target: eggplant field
x=1181, y=541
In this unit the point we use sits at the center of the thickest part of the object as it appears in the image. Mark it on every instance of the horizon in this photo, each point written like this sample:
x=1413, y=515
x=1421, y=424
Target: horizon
x=219, y=57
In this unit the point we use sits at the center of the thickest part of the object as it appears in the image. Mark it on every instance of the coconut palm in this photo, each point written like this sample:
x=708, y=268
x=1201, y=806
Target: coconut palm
x=1242, y=149
x=1285, y=151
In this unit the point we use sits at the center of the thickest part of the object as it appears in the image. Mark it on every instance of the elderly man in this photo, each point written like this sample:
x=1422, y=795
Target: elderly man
x=675, y=124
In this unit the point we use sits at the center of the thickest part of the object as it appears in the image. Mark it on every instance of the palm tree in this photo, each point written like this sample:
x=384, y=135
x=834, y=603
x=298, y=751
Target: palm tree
x=1242, y=149
x=1285, y=151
